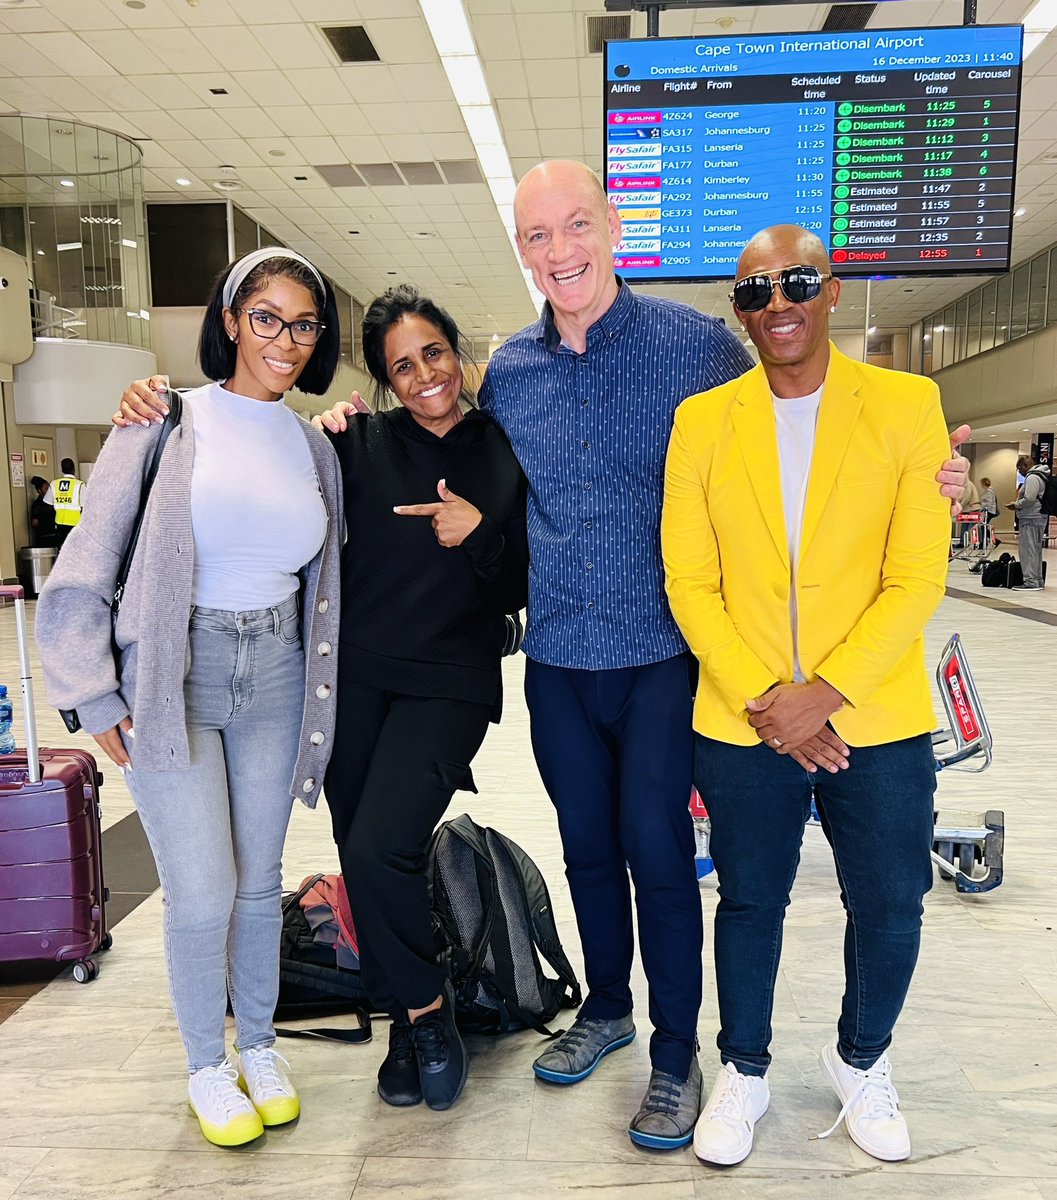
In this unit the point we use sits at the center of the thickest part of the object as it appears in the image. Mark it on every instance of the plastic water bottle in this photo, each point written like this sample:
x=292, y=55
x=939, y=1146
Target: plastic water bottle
x=7, y=738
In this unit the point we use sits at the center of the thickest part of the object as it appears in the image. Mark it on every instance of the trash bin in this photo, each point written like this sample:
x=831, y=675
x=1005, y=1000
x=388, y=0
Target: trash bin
x=34, y=566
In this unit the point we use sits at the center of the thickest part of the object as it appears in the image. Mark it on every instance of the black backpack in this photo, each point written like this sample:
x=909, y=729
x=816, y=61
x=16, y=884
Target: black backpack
x=311, y=984
x=494, y=920
x=1002, y=572
x=1048, y=496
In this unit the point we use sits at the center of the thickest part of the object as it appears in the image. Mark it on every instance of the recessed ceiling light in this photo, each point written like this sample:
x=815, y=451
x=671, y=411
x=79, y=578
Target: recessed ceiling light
x=67, y=183
x=137, y=4
x=1025, y=431
x=227, y=185
x=64, y=132
x=183, y=182
x=1021, y=212
x=41, y=253
x=277, y=153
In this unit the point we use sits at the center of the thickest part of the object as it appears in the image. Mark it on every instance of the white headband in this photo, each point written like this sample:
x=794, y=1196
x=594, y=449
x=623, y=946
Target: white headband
x=245, y=265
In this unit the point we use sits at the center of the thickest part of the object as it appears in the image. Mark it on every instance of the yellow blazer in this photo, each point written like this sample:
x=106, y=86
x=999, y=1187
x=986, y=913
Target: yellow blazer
x=873, y=549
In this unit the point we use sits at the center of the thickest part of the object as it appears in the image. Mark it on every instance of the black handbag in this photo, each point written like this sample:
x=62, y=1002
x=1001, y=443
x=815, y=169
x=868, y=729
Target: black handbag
x=513, y=634
x=69, y=715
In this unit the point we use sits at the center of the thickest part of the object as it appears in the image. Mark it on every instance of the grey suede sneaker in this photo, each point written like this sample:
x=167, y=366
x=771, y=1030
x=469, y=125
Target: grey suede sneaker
x=669, y=1111
x=575, y=1054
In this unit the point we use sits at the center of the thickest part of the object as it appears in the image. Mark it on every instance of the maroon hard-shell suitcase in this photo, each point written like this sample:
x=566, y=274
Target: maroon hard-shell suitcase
x=52, y=897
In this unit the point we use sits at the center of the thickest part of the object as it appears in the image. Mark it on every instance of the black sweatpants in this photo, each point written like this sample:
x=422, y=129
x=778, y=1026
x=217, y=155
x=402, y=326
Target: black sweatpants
x=397, y=761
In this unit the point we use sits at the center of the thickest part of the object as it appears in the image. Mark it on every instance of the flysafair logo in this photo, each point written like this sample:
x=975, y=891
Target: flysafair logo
x=966, y=716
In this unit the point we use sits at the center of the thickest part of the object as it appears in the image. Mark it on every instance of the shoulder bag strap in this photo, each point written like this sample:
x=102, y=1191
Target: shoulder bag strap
x=168, y=425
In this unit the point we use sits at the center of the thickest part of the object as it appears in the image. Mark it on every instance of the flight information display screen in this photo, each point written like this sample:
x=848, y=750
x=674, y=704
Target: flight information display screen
x=896, y=146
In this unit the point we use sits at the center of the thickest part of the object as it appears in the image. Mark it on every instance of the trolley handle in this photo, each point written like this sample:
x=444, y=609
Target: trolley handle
x=15, y=592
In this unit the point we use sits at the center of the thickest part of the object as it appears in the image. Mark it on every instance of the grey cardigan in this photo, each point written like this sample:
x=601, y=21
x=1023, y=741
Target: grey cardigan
x=73, y=623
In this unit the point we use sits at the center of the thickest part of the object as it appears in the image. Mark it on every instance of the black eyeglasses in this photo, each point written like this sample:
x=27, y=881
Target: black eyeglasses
x=798, y=284
x=269, y=325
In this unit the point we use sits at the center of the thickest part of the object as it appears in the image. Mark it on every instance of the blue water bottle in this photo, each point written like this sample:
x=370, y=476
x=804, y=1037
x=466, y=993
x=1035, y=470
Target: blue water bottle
x=7, y=738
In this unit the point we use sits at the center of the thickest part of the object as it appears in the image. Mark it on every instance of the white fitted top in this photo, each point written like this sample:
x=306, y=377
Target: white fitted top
x=256, y=509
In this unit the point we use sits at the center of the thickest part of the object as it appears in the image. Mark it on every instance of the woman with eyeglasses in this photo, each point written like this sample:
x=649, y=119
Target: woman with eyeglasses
x=219, y=709
x=436, y=554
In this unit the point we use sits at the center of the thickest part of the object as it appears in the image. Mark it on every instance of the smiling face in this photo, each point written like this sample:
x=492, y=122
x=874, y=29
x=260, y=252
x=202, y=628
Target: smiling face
x=424, y=372
x=265, y=368
x=793, y=339
x=566, y=231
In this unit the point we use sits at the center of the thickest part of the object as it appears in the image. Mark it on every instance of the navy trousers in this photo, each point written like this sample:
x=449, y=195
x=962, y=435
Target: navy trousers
x=877, y=817
x=615, y=750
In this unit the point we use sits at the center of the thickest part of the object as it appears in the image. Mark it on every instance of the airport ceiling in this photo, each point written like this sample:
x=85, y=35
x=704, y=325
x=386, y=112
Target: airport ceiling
x=256, y=87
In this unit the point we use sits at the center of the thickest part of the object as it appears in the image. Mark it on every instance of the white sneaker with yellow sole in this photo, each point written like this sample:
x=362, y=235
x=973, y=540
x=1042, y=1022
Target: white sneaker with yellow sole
x=225, y=1114
x=263, y=1077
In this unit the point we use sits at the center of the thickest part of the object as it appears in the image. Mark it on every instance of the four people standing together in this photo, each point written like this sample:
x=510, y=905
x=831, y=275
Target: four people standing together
x=586, y=397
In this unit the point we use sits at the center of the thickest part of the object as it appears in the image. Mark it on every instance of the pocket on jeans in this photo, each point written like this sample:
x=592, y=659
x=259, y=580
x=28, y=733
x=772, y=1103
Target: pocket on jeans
x=290, y=629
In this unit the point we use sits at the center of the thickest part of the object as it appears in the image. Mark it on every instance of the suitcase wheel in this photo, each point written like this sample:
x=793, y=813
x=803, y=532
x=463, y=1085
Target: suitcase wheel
x=85, y=970
x=107, y=942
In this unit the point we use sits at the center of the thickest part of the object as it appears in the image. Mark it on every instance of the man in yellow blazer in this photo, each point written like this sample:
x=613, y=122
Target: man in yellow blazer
x=805, y=548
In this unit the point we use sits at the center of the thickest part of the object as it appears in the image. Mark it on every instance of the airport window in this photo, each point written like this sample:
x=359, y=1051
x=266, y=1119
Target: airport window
x=1040, y=269
x=972, y=324
x=1018, y=320
x=994, y=313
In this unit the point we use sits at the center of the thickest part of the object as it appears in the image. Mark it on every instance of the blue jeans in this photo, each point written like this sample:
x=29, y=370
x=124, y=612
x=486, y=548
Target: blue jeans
x=217, y=828
x=878, y=819
x=615, y=751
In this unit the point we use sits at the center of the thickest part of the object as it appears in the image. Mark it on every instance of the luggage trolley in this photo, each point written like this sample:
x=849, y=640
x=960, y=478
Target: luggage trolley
x=967, y=849
x=973, y=540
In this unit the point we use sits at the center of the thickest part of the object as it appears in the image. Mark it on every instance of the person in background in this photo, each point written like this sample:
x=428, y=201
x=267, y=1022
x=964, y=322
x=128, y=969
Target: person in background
x=41, y=516
x=436, y=555
x=988, y=500
x=65, y=496
x=220, y=710
x=1031, y=521
x=803, y=587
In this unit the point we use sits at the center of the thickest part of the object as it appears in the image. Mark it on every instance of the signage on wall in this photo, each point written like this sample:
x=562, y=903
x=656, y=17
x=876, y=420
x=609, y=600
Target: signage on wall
x=39, y=458
x=1045, y=449
x=18, y=471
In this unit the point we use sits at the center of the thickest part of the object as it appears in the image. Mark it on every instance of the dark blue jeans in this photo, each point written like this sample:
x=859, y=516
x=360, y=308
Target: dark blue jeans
x=615, y=750
x=878, y=819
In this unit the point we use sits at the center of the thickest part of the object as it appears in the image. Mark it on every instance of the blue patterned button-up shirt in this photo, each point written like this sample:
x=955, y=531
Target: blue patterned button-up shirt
x=591, y=433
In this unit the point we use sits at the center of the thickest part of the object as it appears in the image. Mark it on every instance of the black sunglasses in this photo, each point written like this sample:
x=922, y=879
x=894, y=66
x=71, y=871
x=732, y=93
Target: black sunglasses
x=798, y=284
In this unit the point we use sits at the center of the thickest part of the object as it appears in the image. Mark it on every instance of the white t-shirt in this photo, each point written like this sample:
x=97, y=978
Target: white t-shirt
x=796, y=420
x=256, y=509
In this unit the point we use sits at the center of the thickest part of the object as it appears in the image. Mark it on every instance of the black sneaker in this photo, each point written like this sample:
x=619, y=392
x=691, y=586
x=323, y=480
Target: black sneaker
x=442, y=1058
x=398, y=1075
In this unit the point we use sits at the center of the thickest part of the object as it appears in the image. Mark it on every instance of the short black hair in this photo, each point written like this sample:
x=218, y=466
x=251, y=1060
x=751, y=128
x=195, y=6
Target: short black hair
x=217, y=352
x=39, y=482
x=388, y=310
x=67, y=466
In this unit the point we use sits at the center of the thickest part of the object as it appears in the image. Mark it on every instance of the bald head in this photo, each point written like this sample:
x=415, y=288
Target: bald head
x=560, y=177
x=782, y=246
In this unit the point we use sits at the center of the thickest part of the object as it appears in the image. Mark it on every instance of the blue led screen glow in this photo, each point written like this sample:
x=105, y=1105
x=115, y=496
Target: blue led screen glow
x=896, y=146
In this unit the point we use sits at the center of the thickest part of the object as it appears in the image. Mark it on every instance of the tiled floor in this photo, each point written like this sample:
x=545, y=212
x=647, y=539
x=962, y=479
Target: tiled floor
x=92, y=1083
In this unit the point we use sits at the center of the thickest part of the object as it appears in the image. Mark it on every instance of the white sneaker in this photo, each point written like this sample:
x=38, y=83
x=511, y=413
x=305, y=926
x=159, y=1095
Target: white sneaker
x=268, y=1086
x=869, y=1105
x=724, y=1130
x=226, y=1116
